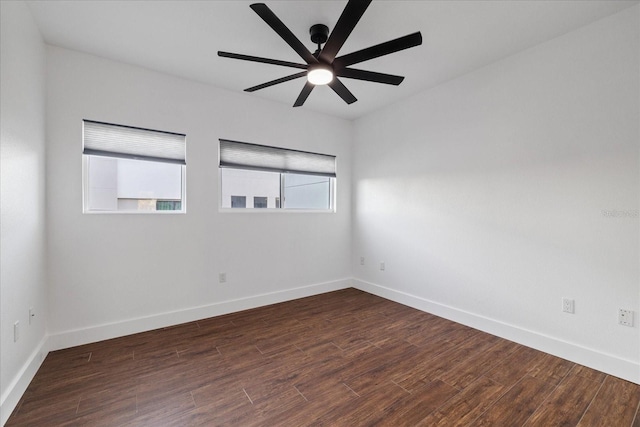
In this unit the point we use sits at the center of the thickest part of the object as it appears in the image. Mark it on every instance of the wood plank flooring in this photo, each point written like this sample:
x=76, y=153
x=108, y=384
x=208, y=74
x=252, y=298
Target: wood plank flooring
x=344, y=358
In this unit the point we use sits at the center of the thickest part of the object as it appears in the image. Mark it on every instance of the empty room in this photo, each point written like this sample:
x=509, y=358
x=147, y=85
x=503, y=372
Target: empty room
x=331, y=213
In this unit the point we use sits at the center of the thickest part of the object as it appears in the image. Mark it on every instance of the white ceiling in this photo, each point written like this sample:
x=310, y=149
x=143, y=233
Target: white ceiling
x=182, y=38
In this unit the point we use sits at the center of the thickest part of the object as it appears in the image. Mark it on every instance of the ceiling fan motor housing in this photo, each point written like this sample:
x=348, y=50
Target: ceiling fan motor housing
x=319, y=33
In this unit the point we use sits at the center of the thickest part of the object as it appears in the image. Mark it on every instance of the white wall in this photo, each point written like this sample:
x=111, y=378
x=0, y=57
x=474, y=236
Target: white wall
x=22, y=200
x=488, y=196
x=113, y=274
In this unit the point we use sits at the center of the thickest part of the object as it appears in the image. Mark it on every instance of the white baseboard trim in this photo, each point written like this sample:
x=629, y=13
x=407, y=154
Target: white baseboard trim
x=610, y=364
x=91, y=334
x=10, y=398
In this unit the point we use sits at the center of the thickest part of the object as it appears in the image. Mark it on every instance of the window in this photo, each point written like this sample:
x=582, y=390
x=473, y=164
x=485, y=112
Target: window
x=288, y=179
x=259, y=202
x=168, y=205
x=129, y=169
x=238, y=201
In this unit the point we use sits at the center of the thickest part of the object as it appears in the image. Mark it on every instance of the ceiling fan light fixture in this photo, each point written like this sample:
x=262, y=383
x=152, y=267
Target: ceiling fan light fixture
x=320, y=75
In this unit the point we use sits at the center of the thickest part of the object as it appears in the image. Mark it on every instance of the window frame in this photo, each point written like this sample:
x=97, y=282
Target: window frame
x=86, y=184
x=332, y=182
x=85, y=194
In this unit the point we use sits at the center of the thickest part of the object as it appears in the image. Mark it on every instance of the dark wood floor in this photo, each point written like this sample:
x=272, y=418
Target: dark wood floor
x=345, y=358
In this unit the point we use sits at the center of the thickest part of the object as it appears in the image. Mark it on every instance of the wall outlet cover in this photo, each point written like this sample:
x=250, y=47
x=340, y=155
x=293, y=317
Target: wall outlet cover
x=625, y=317
x=568, y=305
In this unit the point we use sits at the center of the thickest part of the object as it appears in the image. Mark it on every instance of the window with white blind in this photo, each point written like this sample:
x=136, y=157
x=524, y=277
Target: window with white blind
x=276, y=178
x=130, y=169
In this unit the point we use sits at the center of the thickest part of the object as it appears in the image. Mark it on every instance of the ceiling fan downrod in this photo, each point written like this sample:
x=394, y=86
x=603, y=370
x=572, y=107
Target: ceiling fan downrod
x=319, y=35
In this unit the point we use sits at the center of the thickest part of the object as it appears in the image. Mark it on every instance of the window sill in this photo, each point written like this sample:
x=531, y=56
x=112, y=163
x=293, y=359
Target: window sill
x=258, y=211
x=134, y=212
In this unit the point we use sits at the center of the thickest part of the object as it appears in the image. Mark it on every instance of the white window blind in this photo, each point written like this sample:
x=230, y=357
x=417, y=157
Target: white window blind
x=242, y=155
x=104, y=139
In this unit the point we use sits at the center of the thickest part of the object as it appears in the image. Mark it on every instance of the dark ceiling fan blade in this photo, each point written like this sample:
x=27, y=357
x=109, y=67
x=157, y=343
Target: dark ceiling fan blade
x=378, y=50
x=342, y=91
x=304, y=94
x=278, y=26
x=276, y=81
x=370, y=76
x=263, y=60
x=351, y=14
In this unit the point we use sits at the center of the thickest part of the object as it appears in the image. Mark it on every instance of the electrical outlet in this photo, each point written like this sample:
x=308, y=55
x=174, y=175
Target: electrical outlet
x=361, y=260
x=625, y=317
x=382, y=266
x=16, y=331
x=222, y=277
x=568, y=305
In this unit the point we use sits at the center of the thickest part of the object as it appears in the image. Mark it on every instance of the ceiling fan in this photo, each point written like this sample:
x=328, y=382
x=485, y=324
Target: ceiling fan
x=322, y=66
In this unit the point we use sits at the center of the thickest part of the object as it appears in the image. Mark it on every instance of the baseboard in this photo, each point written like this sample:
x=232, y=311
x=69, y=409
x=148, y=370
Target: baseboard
x=91, y=334
x=610, y=364
x=18, y=386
